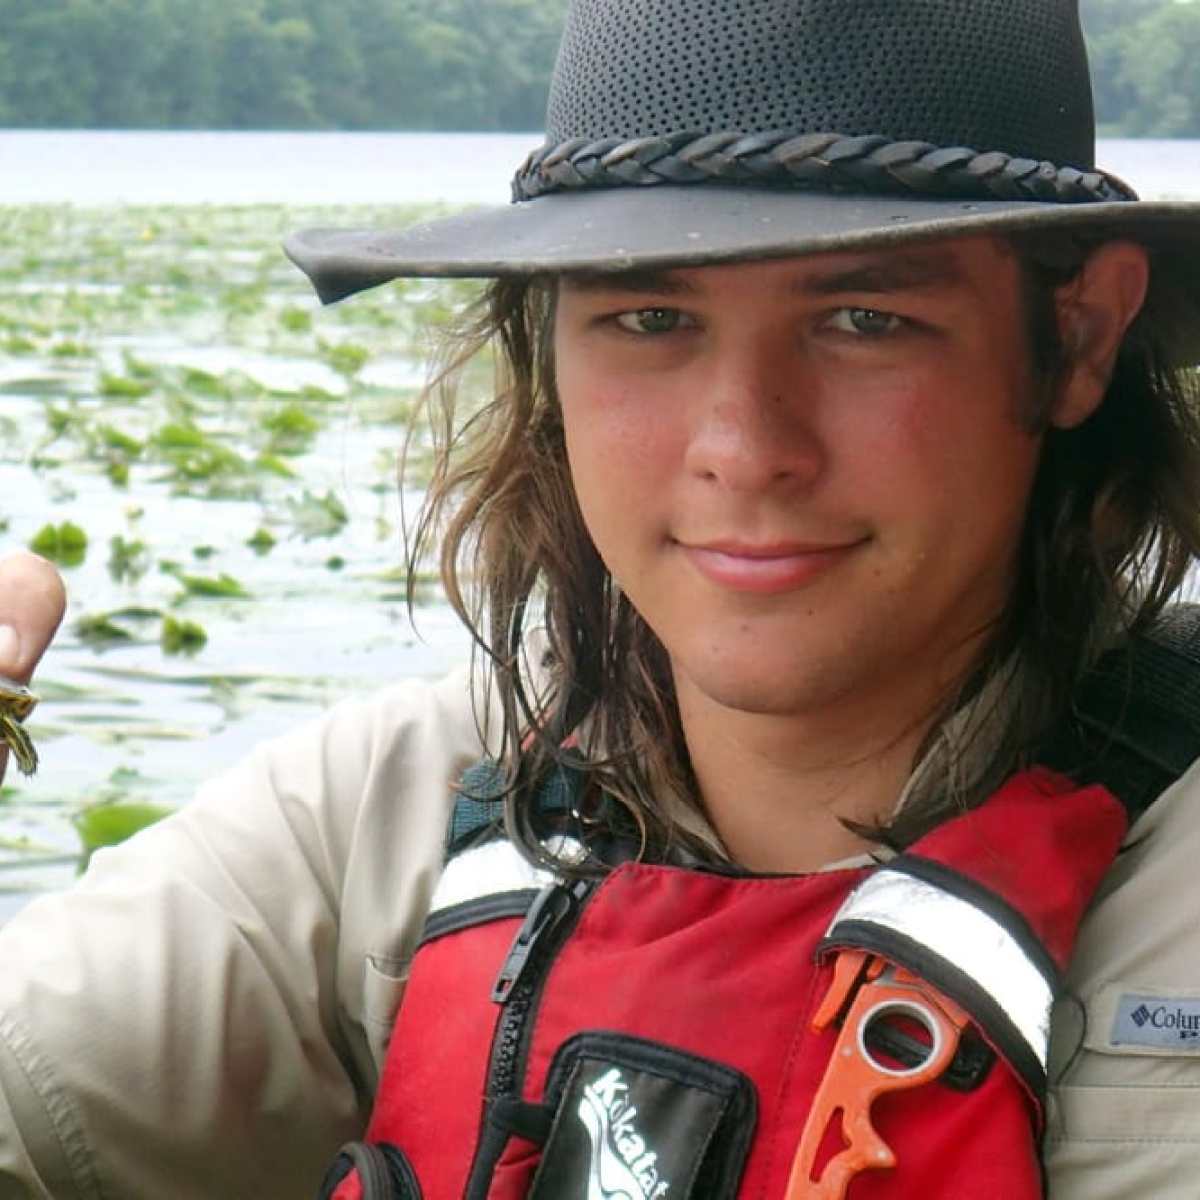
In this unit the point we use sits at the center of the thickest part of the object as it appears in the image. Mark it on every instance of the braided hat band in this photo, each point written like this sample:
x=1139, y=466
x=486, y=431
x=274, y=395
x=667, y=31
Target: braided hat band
x=814, y=161
x=695, y=132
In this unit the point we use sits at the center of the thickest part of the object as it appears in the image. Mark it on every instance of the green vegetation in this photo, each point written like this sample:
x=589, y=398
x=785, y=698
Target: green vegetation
x=423, y=64
x=1144, y=55
x=262, y=542
x=64, y=543
x=224, y=586
x=317, y=516
x=107, y=822
x=101, y=629
x=216, y=456
x=182, y=637
x=277, y=64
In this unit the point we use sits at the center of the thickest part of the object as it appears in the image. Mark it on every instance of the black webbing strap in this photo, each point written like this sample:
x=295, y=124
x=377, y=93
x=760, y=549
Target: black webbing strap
x=478, y=814
x=1135, y=721
x=477, y=807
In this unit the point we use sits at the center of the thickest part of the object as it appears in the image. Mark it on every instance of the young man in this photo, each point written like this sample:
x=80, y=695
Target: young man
x=835, y=480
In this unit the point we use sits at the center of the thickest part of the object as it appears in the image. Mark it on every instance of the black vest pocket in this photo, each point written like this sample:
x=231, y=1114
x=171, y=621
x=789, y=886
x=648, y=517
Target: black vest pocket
x=637, y=1118
x=383, y=1172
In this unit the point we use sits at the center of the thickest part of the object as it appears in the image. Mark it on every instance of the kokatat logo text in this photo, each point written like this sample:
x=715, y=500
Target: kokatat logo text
x=623, y=1167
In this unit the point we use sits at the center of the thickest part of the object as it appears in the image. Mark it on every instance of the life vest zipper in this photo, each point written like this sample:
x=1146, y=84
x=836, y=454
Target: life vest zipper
x=518, y=988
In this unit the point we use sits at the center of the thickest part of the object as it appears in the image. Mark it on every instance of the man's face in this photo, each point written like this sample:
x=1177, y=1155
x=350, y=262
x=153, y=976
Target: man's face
x=808, y=475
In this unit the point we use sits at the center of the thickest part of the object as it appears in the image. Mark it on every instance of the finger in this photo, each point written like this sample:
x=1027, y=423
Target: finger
x=32, y=603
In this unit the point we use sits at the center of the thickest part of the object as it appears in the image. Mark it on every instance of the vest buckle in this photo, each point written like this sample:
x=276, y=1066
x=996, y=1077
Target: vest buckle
x=868, y=990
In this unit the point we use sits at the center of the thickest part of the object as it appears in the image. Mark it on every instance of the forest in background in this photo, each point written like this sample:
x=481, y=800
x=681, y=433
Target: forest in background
x=426, y=64
x=277, y=64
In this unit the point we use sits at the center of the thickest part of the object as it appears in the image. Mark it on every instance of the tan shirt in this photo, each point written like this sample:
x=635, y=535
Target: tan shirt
x=204, y=1014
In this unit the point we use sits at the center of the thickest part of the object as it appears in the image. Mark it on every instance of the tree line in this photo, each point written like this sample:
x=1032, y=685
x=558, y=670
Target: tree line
x=277, y=64
x=1145, y=57
x=426, y=64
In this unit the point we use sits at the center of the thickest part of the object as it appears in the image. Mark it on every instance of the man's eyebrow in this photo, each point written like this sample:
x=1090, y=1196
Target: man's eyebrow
x=890, y=273
x=649, y=282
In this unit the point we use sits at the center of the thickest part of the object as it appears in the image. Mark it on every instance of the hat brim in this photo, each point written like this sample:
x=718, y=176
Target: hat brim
x=622, y=228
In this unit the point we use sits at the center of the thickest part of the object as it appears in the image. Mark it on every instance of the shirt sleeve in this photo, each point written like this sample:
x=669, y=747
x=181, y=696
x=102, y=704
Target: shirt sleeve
x=188, y=1020
x=1124, y=1103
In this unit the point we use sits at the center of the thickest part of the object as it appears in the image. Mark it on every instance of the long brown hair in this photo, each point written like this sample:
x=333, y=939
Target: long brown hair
x=1112, y=526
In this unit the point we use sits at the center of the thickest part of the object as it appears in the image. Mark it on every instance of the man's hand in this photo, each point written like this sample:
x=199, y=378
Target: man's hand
x=32, y=602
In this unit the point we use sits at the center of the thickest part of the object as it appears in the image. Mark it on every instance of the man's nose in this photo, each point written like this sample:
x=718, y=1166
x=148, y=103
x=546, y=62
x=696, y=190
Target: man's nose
x=754, y=425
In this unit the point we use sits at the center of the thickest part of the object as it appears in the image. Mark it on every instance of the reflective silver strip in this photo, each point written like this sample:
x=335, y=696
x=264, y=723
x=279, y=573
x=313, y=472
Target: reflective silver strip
x=494, y=868
x=964, y=936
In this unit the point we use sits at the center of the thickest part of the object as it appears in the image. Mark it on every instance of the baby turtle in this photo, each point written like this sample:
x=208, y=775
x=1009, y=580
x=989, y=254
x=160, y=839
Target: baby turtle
x=16, y=703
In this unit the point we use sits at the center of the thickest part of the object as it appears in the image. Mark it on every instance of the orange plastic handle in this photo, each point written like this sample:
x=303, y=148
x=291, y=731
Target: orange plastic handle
x=855, y=1078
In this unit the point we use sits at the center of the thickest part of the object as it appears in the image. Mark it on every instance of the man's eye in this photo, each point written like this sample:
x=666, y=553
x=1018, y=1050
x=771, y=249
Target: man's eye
x=865, y=322
x=651, y=320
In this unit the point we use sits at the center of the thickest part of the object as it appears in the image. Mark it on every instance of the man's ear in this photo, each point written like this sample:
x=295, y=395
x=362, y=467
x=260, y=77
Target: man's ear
x=1094, y=311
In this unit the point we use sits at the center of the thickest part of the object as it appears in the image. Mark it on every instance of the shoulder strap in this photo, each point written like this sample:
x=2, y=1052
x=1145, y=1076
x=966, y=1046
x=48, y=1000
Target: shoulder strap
x=1134, y=724
x=478, y=815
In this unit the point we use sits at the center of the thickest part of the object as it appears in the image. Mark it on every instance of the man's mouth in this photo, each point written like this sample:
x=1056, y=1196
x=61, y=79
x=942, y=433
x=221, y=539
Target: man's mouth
x=765, y=567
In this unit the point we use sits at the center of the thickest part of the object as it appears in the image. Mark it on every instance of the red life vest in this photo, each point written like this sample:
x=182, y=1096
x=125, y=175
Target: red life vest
x=651, y=1035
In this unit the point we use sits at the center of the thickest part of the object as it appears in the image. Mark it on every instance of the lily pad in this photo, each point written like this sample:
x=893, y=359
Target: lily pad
x=112, y=822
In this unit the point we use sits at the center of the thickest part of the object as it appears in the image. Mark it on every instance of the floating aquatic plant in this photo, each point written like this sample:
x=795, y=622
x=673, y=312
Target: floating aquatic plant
x=64, y=543
x=112, y=821
x=181, y=637
x=317, y=516
x=172, y=384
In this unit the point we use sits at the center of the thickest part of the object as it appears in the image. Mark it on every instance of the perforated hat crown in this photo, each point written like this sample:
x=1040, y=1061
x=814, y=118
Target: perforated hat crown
x=699, y=131
x=1003, y=75
x=1006, y=75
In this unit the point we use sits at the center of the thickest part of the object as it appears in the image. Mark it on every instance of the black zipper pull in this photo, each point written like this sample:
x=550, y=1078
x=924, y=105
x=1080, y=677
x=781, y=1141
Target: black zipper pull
x=549, y=907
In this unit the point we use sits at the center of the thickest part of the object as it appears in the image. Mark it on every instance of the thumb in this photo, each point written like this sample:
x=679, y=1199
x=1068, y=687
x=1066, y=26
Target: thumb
x=32, y=602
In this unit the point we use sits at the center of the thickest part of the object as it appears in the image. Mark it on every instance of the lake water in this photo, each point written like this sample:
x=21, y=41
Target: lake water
x=142, y=306
x=158, y=305
x=86, y=167
x=364, y=168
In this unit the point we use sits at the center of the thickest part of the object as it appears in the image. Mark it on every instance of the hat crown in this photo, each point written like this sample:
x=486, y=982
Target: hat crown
x=1007, y=75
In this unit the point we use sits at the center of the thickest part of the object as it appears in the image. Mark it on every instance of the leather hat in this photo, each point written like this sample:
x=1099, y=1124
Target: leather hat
x=684, y=132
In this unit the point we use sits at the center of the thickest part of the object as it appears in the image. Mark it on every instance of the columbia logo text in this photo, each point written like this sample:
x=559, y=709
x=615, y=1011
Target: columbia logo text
x=1185, y=1025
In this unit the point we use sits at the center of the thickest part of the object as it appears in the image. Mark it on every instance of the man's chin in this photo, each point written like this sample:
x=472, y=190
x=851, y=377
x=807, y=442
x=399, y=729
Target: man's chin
x=767, y=692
